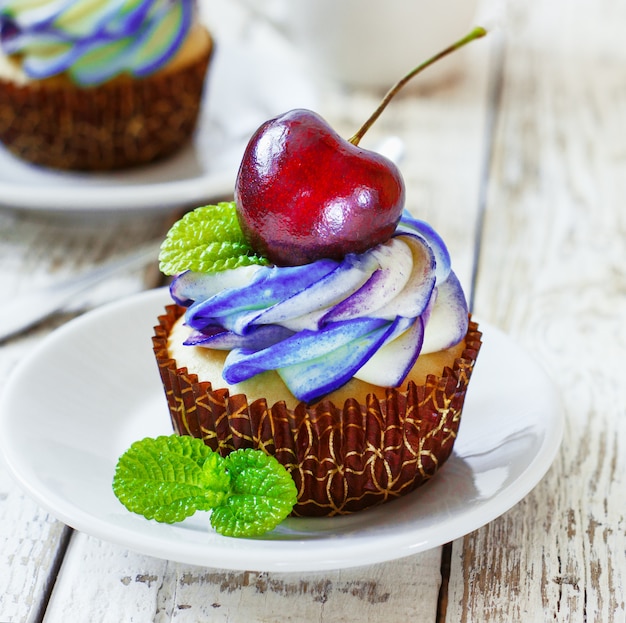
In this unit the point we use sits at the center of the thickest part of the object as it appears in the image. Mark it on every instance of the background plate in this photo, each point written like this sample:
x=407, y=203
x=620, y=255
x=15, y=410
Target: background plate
x=98, y=390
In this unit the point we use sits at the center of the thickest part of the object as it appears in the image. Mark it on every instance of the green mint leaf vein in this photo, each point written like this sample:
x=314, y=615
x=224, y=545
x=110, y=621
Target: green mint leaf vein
x=207, y=240
x=170, y=477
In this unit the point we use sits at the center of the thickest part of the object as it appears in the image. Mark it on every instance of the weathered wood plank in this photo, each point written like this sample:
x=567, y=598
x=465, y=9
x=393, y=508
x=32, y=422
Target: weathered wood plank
x=31, y=546
x=112, y=584
x=552, y=274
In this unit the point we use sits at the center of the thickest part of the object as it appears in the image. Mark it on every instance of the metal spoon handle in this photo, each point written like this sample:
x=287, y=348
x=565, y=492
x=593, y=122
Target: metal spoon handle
x=31, y=308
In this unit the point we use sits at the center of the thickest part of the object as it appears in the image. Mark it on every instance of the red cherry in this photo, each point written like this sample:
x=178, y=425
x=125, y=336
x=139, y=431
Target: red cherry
x=304, y=193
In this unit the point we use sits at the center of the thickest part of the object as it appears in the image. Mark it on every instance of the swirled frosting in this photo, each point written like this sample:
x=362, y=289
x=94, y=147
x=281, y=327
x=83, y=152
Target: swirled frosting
x=93, y=40
x=318, y=325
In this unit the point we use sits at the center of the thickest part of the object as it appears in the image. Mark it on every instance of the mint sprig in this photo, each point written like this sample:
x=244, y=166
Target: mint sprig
x=171, y=477
x=207, y=240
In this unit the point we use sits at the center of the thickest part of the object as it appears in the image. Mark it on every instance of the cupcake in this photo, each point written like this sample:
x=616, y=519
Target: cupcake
x=360, y=406
x=100, y=85
x=314, y=318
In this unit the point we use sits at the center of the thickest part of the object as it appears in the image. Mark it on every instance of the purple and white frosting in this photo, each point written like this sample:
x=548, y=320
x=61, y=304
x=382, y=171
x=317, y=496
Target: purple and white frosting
x=318, y=325
x=93, y=40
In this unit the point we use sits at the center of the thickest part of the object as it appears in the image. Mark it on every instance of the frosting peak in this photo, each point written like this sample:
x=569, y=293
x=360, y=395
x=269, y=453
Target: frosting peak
x=93, y=40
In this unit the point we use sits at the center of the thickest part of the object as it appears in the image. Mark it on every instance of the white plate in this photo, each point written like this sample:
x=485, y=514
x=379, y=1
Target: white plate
x=249, y=82
x=92, y=388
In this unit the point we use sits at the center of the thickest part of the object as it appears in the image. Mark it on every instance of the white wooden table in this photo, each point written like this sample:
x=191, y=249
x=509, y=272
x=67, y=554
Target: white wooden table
x=521, y=166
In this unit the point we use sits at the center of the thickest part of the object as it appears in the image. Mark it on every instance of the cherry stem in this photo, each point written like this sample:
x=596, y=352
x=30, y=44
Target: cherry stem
x=477, y=33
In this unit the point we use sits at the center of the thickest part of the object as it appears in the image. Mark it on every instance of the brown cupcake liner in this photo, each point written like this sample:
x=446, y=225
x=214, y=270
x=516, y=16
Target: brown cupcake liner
x=342, y=459
x=122, y=123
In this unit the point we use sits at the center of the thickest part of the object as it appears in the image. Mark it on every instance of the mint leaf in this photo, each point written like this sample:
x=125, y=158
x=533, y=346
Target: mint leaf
x=207, y=240
x=170, y=478
x=263, y=494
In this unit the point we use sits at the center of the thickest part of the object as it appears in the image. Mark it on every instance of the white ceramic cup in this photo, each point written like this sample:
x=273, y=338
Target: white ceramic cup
x=371, y=43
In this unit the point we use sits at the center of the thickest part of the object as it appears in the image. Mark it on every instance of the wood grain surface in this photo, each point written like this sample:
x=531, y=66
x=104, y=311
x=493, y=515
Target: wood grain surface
x=552, y=274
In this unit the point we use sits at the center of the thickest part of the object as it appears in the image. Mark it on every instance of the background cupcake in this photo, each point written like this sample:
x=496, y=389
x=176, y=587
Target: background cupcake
x=100, y=85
